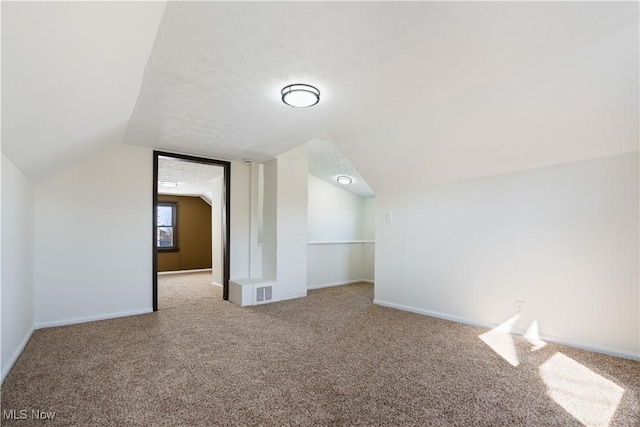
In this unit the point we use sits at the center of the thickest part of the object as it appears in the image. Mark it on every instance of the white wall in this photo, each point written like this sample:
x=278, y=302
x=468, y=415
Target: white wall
x=240, y=223
x=270, y=221
x=17, y=262
x=217, y=231
x=94, y=237
x=562, y=238
x=369, y=219
x=255, y=247
x=293, y=167
x=2, y=368
x=283, y=254
x=333, y=264
x=338, y=222
x=240, y=220
x=93, y=245
x=334, y=214
x=368, y=261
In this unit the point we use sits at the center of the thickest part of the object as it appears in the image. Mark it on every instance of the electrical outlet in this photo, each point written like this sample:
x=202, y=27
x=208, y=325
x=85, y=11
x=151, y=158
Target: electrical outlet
x=519, y=305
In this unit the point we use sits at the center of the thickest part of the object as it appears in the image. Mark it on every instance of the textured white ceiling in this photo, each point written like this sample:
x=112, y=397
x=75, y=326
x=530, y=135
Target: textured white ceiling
x=327, y=162
x=193, y=178
x=422, y=91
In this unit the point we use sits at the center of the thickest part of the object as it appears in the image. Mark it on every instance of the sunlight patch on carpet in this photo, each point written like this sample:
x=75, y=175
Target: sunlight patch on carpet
x=533, y=336
x=501, y=341
x=587, y=396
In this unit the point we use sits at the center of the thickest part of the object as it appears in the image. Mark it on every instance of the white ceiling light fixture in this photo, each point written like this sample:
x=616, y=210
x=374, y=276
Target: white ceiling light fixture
x=169, y=183
x=342, y=179
x=300, y=95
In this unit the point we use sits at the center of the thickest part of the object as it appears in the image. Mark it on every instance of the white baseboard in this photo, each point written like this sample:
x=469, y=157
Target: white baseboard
x=217, y=284
x=76, y=320
x=596, y=349
x=340, y=242
x=14, y=357
x=330, y=285
x=549, y=338
x=198, y=270
x=444, y=316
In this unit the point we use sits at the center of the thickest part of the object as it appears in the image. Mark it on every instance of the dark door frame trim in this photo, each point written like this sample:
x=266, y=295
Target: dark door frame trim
x=226, y=217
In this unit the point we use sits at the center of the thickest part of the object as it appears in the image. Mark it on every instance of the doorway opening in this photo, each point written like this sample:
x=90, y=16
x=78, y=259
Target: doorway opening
x=218, y=195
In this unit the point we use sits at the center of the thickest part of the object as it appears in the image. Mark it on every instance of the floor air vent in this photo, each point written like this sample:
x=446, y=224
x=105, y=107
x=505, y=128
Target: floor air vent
x=263, y=294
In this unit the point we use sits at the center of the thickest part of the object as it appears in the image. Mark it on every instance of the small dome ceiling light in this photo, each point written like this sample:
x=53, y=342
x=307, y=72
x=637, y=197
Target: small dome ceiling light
x=346, y=180
x=169, y=183
x=300, y=95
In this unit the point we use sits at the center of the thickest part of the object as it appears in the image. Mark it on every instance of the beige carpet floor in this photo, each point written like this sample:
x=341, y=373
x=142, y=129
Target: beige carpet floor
x=332, y=358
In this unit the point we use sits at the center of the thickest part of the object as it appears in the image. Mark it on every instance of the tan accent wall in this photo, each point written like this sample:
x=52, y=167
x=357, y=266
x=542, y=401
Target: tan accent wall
x=194, y=235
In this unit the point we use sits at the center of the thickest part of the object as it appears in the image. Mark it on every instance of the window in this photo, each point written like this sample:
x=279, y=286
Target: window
x=167, y=236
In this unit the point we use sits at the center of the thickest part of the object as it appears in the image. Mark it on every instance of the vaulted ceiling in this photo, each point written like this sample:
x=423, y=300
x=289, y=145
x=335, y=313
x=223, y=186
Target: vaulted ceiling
x=423, y=92
x=71, y=74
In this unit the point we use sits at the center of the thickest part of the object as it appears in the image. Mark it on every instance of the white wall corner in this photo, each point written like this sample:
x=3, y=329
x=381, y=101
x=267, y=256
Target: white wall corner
x=6, y=368
x=17, y=267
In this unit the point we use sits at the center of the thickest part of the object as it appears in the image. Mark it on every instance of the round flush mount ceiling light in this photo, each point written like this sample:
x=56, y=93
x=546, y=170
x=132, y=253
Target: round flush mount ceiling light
x=300, y=95
x=344, y=180
x=169, y=183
